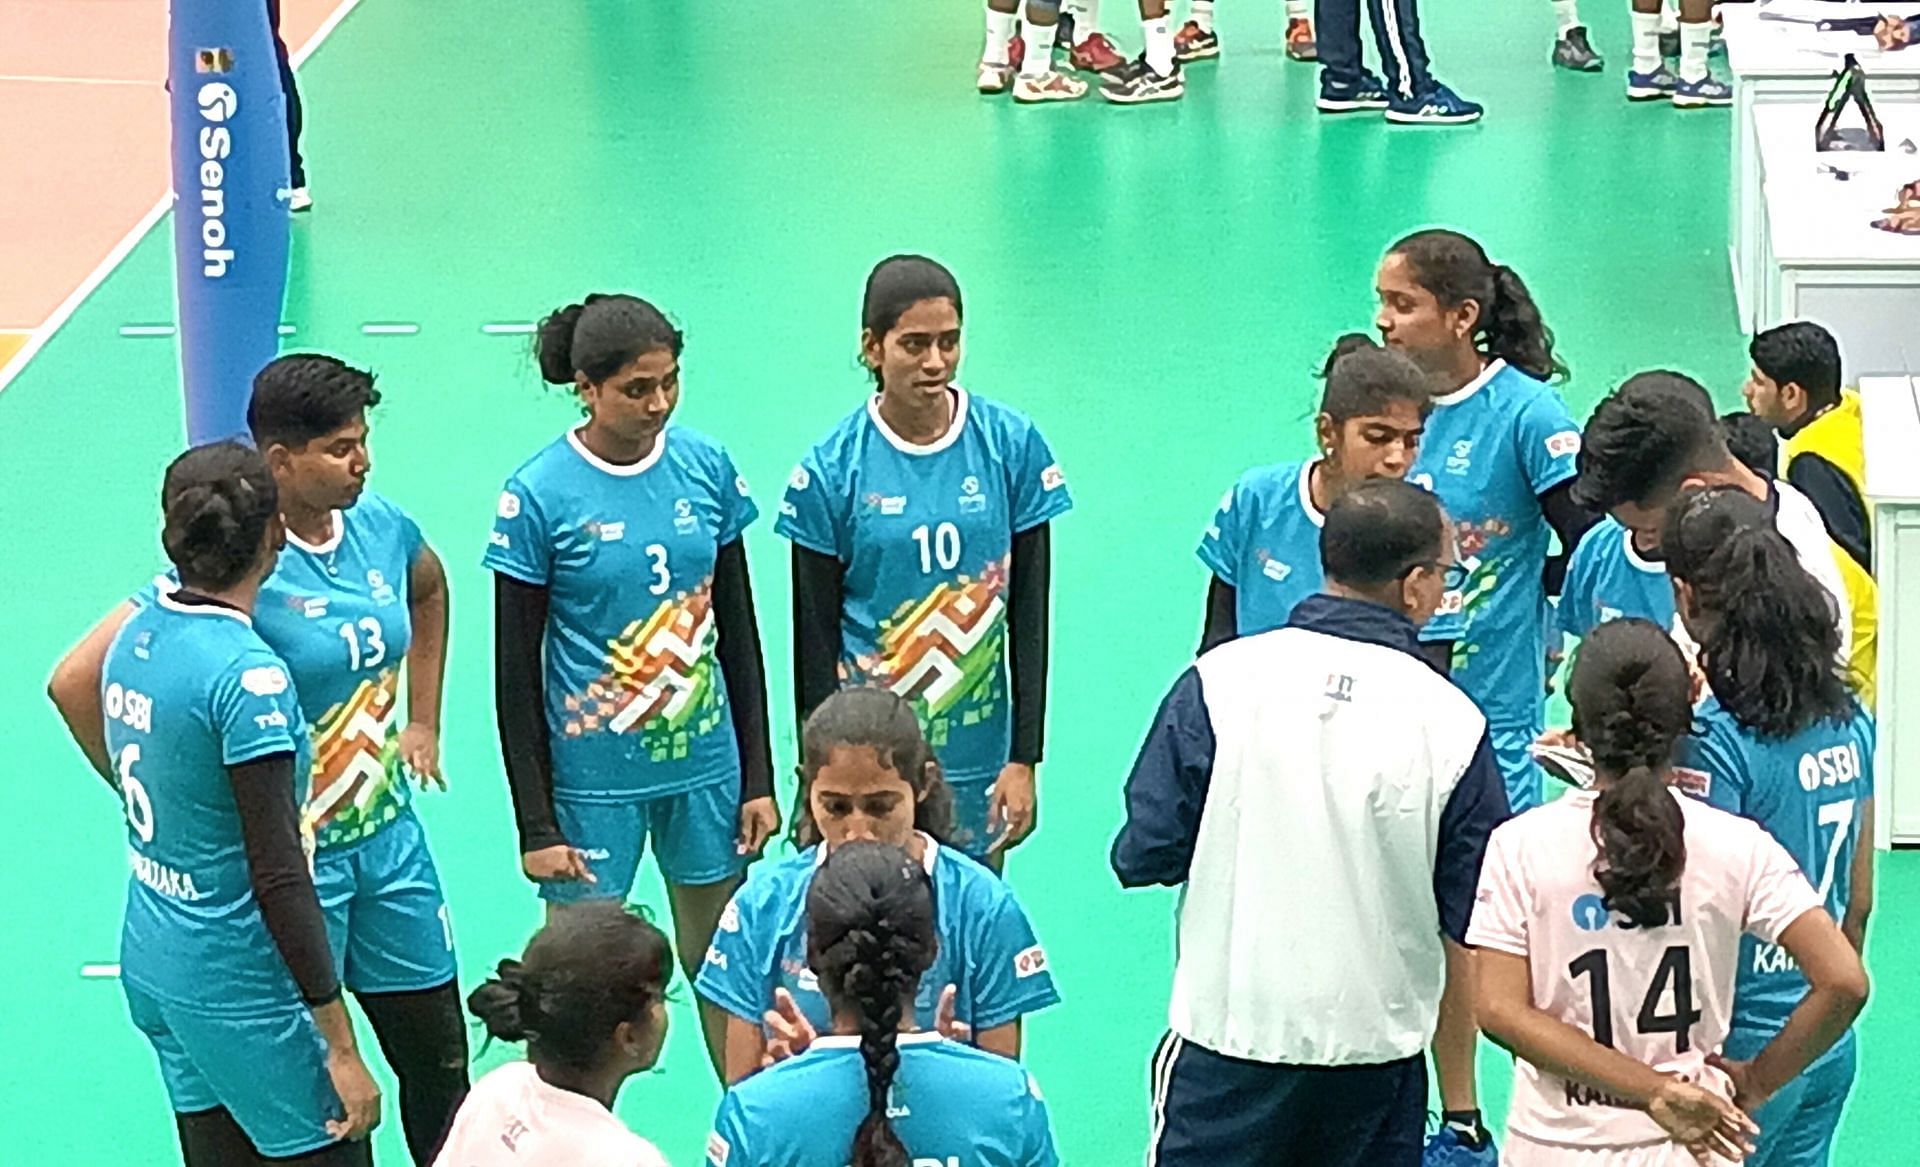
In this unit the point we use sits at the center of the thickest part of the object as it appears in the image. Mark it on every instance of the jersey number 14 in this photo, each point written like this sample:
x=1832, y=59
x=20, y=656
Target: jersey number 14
x=1674, y=975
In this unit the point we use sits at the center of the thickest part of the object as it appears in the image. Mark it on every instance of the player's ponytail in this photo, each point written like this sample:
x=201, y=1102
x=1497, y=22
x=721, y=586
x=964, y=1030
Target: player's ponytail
x=883, y=722
x=1456, y=270
x=1768, y=632
x=1630, y=697
x=870, y=937
x=597, y=337
x=218, y=501
x=595, y=966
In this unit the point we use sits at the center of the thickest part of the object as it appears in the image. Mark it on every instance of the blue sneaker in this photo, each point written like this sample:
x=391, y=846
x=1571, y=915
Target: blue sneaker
x=1366, y=92
x=1709, y=90
x=1446, y=1148
x=1438, y=106
x=1655, y=86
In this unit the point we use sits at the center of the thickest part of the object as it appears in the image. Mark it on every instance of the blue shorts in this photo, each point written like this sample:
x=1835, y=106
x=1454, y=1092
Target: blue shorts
x=971, y=835
x=1797, y=1124
x=695, y=833
x=1513, y=750
x=386, y=916
x=268, y=1070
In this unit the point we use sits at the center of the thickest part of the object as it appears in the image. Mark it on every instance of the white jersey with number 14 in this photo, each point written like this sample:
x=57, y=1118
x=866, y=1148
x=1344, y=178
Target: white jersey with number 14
x=1660, y=995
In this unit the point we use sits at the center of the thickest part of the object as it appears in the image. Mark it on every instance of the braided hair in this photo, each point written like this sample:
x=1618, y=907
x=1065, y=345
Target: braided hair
x=1631, y=702
x=870, y=937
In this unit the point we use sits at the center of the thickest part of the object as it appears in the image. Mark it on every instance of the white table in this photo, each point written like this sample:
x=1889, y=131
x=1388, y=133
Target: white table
x=1820, y=257
x=1892, y=420
x=1775, y=61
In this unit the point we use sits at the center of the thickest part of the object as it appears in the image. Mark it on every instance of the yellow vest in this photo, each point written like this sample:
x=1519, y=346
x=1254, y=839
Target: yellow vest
x=1837, y=436
x=1863, y=597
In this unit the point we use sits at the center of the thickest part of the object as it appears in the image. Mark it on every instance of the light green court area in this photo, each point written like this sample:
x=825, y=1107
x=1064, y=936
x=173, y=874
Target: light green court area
x=1156, y=286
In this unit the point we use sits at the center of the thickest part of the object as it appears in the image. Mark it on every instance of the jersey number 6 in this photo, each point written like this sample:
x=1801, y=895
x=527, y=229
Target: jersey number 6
x=139, y=806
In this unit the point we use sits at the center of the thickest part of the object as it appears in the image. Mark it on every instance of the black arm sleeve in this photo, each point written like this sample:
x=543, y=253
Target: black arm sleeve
x=1839, y=504
x=277, y=869
x=1027, y=619
x=744, y=668
x=1569, y=520
x=817, y=583
x=520, y=705
x=1223, y=615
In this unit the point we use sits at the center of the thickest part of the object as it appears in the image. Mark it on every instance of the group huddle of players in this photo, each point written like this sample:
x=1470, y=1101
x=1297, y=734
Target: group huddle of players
x=247, y=706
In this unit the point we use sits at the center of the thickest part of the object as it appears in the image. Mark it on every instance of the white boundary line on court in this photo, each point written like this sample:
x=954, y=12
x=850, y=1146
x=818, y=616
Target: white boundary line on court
x=38, y=337
x=50, y=79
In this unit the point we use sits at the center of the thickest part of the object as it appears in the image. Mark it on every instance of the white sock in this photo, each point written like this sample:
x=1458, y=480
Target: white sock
x=1568, y=12
x=1646, y=42
x=1299, y=10
x=1694, y=40
x=1086, y=16
x=1159, y=46
x=1670, y=17
x=1203, y=14
x=1000, y=29
x=1039, y=58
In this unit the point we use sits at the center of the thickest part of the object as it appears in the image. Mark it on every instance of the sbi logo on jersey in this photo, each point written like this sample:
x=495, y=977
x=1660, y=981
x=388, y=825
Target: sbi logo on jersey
x=218, y=102
x=1833, y=766
x=1590, y=913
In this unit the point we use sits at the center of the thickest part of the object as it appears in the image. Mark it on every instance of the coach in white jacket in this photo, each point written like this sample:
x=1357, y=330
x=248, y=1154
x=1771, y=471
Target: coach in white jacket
x=1325, y=796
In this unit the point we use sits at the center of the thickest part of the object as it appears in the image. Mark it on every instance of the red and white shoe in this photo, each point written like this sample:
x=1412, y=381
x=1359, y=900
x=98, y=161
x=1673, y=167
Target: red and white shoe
x=1193, y=43
x=1300, y=42
x=1096, y=54
x=999, y=78
x=1048, y=86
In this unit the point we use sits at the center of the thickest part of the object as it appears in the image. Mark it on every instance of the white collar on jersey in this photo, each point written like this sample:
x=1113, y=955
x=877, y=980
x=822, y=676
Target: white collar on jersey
x=932, y=853
x=165, y=597
x=901, y=444
x=1494, y=368
x=326, y=546
x=598, y=463
x=1638, y=560
x=852, y=1040
x=1314, y=514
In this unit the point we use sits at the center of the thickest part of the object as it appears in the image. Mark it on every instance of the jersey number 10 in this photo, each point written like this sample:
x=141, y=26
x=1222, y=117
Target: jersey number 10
x=938, y=544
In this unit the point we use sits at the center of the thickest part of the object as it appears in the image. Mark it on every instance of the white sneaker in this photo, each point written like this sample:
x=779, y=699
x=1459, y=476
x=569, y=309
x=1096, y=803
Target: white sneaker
x=1048, y=86
x=994, y=78
x=299, y=200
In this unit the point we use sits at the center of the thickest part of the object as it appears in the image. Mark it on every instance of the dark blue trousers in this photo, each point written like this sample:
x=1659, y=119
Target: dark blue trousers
x=1396, y=33
x=1210, y=1110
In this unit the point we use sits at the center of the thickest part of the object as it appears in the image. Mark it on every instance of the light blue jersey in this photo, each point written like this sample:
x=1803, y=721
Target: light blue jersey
x=188, y=690
x=1808, y=791
x=1490, y=451
x=926, y=534
x=1608, y=580
x=1264, y=543
x=987, y=948
x=950, y=1104
x=635, y=697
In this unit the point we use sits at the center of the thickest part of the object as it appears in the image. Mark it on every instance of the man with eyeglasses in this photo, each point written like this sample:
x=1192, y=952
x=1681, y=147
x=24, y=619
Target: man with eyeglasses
x=1323, y=795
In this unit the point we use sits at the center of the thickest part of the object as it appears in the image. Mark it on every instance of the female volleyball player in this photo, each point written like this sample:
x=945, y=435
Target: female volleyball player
x=1499, y=450
x=224, y=954
x=870, y=775
x=1608, y=926
x=921, y=547
x=879, y=1082
x=1263, y=546
x=630, y=690
x=356, y=591
x=589, y=999
x=1029, y=72
x=1781, y=740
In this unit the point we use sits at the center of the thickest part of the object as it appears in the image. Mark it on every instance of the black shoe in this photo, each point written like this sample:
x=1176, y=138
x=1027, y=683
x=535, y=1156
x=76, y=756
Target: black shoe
x=1140, y=84
x=1573, y=51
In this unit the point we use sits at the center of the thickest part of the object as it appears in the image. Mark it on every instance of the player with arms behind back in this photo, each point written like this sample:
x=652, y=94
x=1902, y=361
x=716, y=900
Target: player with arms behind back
x=224, y=953
x=879, y=1081
x=922, y=547
x=1781, y=740
x=1608, y=925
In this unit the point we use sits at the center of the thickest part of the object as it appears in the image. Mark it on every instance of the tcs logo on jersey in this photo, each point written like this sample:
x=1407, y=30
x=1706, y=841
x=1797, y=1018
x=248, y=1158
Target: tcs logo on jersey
x=1833, y=766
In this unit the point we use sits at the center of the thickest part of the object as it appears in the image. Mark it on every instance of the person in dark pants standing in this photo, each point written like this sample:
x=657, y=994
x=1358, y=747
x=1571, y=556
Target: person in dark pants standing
x=299, y=199
x=1409, y=95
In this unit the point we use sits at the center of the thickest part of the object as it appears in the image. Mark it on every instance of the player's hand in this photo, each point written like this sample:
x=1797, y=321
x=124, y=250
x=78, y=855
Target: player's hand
x=1703, y=1121
x=1555, y=658
x=420, y=753
x=945, y=1023
x=1012, y=808
x=1746, y=1092
x=358, y=1095
x=759, y=820
x=559, y=863
x=1562, y=739
x=788, y=1030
